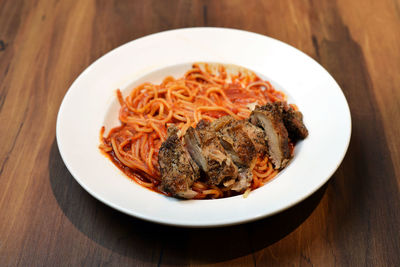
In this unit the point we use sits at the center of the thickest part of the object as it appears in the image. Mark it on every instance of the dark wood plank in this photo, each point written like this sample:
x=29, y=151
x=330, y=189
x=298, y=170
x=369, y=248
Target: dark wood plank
x=46, y=218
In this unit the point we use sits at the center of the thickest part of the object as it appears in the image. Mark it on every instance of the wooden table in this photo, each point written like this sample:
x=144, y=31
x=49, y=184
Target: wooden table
x=47, y=219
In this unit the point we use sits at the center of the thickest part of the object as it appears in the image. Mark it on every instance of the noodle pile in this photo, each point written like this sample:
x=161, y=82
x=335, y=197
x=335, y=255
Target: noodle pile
x=202, y=93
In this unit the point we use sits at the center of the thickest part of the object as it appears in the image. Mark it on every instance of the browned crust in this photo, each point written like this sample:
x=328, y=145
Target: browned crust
x=234, y=138
x=178, y=171
x=273, y=114
x=219, y=165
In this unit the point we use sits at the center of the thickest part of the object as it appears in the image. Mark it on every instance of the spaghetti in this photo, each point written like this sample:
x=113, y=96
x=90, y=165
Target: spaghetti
x=202, y=93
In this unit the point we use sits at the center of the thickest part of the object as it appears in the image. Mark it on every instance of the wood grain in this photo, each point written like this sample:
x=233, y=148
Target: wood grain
x=47, y=219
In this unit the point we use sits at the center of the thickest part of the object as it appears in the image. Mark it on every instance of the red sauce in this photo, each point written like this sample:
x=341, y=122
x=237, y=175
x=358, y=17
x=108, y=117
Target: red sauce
x=135, y=174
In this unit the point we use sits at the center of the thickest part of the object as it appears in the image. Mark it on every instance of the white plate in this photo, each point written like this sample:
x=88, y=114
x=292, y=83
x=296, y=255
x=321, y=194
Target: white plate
x=91, y=103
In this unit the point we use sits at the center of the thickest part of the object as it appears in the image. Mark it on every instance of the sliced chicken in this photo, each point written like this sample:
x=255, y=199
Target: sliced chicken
x=293, y=121
x=269, y=117
x=257, y=136
x=226, y=149
x=233, y=136
x=178, y=170
x=205, y=149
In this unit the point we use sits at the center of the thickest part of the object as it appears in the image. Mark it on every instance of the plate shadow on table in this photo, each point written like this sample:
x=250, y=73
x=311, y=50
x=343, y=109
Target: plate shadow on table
x=147, y=241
